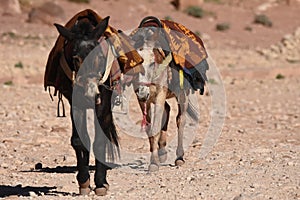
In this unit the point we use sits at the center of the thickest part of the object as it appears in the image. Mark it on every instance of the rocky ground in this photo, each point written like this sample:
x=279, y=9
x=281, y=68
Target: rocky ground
x=257, y=155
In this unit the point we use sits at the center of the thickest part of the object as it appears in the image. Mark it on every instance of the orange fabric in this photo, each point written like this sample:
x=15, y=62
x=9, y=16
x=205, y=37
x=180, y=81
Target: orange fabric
x=187, y=51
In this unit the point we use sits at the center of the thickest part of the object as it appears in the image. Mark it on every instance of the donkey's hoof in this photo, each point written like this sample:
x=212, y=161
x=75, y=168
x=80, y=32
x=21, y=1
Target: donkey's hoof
x=85, y=188
x=153, y=168
x=179, y=162
x=162, y=155
x=102, y=191
x=84, y=191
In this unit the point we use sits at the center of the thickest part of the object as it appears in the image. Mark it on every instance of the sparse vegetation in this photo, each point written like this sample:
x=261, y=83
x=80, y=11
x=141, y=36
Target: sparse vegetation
x=280, y=76
x=263, y=20
x=9, y=83
x=10, y=34
x=19, y=65
x=195, y=11
x=198, y=33
x=248, y=28
x=222, y=26
x=168, y=18
x=80, y=1
x=213, y=1
x=212, y=81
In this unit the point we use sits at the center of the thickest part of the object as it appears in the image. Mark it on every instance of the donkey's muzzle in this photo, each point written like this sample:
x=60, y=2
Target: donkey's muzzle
x=143, y=93
x=91, y=88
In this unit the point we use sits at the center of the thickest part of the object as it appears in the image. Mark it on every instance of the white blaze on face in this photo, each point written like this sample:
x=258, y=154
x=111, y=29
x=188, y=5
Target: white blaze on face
x=91, y=88
x=147, y=54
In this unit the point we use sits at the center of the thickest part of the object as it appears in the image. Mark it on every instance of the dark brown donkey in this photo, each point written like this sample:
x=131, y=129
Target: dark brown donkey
x=78, y=40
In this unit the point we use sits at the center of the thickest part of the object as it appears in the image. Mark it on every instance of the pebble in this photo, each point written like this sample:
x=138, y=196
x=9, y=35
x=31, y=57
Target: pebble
x=38, y=166
x=32, y=194
x=4, y=165
x=269, y=159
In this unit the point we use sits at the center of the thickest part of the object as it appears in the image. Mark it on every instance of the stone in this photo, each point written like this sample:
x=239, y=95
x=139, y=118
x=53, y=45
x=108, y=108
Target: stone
x=183, y=4
x=10, y=7
x=47, y=13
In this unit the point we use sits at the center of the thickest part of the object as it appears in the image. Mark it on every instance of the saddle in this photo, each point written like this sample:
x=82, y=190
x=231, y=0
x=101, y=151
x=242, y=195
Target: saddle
x=128, y=58
x=187, y=49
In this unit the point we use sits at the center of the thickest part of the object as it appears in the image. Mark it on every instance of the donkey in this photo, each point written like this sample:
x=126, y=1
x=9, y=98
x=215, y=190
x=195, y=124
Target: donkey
x=80, y=41
x=161, y=80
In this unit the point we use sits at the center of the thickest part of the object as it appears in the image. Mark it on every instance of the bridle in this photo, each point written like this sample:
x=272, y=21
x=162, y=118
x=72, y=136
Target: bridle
x=72, y=74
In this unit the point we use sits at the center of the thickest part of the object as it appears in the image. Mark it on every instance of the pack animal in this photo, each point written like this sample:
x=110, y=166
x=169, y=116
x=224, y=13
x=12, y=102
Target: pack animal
x=162, y=79
x=82, y=92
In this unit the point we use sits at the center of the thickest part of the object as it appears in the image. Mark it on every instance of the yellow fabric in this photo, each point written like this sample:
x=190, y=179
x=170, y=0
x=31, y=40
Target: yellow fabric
x=181, y=78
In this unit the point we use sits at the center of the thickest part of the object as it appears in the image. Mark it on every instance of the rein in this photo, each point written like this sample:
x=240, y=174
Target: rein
x=109, y=63
x=65, y=66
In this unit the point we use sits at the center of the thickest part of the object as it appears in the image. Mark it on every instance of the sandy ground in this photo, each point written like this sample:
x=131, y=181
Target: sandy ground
x=257, y=155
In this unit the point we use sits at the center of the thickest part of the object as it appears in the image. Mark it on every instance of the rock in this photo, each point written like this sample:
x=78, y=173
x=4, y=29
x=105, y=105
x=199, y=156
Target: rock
x=183, y=4
x=47, y=13
x=288, y=48
x=4, y=165
x=238, y=197
x=10, y=7
x=32, y=194
x=38, y=166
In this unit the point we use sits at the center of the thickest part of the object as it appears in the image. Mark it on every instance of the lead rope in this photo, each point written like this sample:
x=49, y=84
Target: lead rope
x=144, y=121
x=60, y=101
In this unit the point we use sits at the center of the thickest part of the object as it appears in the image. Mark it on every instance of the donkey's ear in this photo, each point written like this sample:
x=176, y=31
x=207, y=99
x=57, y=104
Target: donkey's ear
x=66, y=33
x=100, y=28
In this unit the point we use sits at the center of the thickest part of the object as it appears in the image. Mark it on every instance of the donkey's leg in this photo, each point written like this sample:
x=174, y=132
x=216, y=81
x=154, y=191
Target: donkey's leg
x=162, y=153
x=156, y=127
x=153, y=138
x=181, y=121
x=81, y=145
x=99, y=148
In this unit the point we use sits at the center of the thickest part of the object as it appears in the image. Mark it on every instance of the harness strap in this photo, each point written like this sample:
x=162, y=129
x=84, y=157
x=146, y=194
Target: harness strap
x=64, y=65
x=109, y=64
x=163, y=65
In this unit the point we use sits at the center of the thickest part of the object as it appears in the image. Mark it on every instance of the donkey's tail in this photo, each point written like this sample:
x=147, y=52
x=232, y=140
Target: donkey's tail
x=113, y=149
x=193, y=112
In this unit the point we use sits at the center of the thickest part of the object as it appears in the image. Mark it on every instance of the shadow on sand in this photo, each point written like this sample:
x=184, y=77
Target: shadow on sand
x=19, y=190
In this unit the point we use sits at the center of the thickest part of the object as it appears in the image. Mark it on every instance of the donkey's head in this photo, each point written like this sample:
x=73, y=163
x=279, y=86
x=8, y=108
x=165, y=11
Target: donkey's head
x=81, y=40
x=147, y=42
